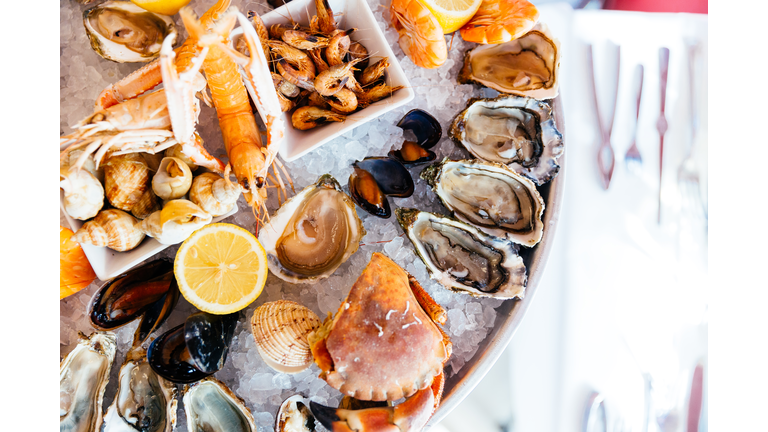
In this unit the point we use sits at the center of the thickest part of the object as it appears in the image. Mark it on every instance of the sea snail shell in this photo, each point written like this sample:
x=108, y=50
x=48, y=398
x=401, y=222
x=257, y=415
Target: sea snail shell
x=214, y=194
x=83, y=193
x=173, y=179
x=175, y=222
x=112, y=228
x=126, y=178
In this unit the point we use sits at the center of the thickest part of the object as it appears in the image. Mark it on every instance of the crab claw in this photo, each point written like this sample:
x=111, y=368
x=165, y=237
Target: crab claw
x=410, y=416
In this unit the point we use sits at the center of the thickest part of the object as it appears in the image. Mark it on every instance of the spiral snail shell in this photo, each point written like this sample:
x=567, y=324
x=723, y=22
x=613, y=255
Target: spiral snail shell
x=172, y=180
x=214, y=194
x=83, y=193
x=175, y=222
x=126, y=178
x=112, y=228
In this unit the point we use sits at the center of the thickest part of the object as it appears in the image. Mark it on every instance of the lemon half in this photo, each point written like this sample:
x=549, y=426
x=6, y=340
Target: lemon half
x=163, y=7
x=452, y=14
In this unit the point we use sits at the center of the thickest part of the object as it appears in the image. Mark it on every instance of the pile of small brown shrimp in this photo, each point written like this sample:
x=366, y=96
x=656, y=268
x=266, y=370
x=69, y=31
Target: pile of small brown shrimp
x=319, y=71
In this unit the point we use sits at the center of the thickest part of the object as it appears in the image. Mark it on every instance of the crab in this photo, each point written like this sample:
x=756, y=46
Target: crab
x=384, y=344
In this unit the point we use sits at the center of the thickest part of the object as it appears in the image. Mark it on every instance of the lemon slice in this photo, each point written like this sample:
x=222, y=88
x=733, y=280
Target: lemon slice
x=452, y=14
x=221, y=268
x=163, y=7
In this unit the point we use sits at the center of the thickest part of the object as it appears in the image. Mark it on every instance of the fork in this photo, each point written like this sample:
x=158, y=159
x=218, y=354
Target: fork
x=632, y=159
x=605, y=154
x=688, y=172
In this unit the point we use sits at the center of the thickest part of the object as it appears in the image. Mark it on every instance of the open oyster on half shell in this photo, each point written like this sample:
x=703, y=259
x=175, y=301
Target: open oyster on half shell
x=463, y=258
x=491, y=197
x=123, y=32
x=313, y=233
x=516, y=131
x=527, y=66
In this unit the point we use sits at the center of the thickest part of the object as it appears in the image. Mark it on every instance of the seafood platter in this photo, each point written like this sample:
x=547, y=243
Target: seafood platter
x=320, y=215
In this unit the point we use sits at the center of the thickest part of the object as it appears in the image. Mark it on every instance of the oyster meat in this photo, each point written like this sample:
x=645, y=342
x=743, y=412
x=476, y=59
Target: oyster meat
x=527, y=66
x=463, y=258
x=144, y=400
x=516, y=131
x=312, y=234
x=84, y=374
x=212, y=407
x=123, y=32
x=491, y=197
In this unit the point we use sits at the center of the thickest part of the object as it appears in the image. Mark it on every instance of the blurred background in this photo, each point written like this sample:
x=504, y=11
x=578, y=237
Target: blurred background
x=616, y=337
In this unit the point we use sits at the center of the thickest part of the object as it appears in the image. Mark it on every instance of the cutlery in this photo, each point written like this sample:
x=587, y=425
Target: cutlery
x=594, y=415
x=633, y=159
x=661, y=124
x=688, y=172
x=695, y=399
x=605, y=154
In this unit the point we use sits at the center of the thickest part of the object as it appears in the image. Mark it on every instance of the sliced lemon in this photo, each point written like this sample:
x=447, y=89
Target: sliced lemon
x=221, y=268
x=164, y=7
x=75, y=272
x=452, y=14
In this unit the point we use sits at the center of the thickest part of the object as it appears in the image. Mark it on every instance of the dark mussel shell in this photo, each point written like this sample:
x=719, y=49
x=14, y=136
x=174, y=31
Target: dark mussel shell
x=131, y=294
x=156, y=314
x=391, y=176
x=366, y=193
x=412, y=154
x=427, y=131
x=193, y=350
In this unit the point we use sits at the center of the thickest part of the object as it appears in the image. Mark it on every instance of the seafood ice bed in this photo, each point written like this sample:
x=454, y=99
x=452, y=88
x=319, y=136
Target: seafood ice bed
x=83, y=74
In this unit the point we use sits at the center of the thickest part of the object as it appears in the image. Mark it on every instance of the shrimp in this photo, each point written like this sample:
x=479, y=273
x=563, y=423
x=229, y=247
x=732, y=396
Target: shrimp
x=295, y=65
x=326, y=23
x=376, y=94
x=373, y=72
x=358, y=51
x=343, y=101
x=334, y=79
x=317, y=58
x=302, y=40
x=308, y=117
x=421, y=36
x=499, y=21
x=338, y=47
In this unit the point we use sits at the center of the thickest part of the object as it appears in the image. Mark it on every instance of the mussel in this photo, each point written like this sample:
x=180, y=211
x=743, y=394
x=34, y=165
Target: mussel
x=427, y=131
x=148, y=291
x=193, y=350
x=374, y=179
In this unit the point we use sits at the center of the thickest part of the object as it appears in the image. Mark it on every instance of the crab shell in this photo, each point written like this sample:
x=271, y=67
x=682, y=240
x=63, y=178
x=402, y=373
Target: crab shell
x=381, y=345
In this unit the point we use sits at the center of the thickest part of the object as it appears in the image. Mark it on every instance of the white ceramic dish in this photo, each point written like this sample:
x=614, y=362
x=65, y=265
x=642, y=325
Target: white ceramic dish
x=349, y=14
x=107, y=263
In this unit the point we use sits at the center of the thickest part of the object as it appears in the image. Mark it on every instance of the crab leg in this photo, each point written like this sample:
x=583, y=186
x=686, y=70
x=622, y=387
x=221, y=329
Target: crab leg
x=410, y=416
x=430, y=306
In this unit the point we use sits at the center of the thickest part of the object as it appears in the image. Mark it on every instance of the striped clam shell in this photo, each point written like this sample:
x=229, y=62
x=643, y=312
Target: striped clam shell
x=280, y=329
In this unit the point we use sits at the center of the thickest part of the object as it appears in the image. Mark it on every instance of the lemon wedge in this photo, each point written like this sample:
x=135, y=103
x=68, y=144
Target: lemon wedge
x=221, y=268
x=452, y=14
x=163, y=7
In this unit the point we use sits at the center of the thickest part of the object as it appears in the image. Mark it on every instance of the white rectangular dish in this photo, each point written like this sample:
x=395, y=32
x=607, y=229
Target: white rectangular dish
x=349, y=14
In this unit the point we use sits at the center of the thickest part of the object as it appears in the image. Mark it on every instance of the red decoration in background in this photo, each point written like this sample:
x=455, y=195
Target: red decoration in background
x=690, y=6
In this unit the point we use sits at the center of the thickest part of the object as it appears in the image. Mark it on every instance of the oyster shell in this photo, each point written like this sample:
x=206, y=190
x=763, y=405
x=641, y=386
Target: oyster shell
x=312, y=234
x=112, y=228
x=211, y=406
x=175, y=222
x=491, y=197
x=144, y=400
x=123, y=32
x=516, y=131
x=280, y=329
x=172, y=179
x=126, y=178
x=463, y=258
x=84, y=374
x=527, y=66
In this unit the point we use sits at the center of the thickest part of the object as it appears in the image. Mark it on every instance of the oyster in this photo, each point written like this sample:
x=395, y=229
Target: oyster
x=212, y=407
x=516, y=131
x=84, y=374
x=527, y=66
x=144, y=400
x=463, y=258
x=123, y=32
x=312, y=234
x=491, y=197
x=280, y=329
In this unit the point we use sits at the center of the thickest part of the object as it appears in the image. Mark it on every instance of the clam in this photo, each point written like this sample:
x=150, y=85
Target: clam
x=212, y=407
x=312, y=233
x=280, y=329
x=148, y=291
x=193, y=350
x=427, y=131
x=294, y=416
x=126, y=178
x=491, y=197
x=376, y=177
x=144, y=400
x=112, y=228
x=83, y=192
x=172, y=180
x=84, y=375
x=516, y=131
x=175, y=222
x=463, y=258
x=214, y=194
x=123, y=32
x=527, y=66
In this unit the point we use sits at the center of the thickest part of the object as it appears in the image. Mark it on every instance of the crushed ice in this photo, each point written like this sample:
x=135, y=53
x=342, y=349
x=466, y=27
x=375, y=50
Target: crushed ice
x=83, y=74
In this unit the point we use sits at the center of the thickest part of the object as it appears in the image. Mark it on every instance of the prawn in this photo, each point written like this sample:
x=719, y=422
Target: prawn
x=421, y=36
x=329, y=82
x=308, y=117
x=499, y=21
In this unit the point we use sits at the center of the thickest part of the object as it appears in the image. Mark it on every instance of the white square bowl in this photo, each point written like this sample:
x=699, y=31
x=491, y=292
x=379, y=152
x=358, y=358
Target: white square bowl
x=349, y=14
x=108, y=263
